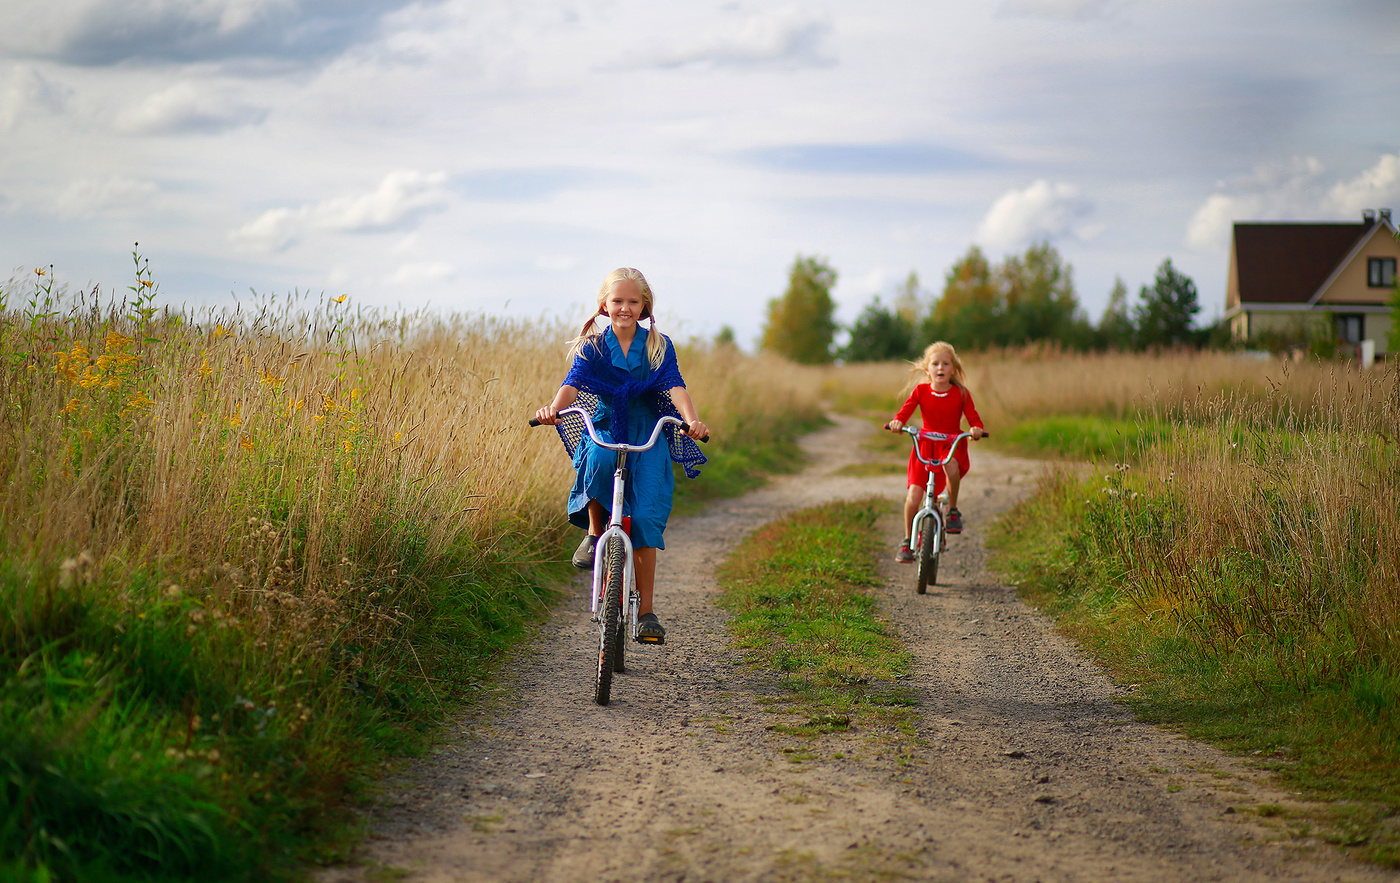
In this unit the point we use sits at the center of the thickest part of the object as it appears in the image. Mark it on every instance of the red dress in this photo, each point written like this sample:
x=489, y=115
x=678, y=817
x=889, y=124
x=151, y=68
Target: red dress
x=942, y=412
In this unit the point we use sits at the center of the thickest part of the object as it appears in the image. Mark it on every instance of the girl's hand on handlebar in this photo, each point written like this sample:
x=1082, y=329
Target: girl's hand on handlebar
x=698, y=429
x=894, y=426
x=548, y=415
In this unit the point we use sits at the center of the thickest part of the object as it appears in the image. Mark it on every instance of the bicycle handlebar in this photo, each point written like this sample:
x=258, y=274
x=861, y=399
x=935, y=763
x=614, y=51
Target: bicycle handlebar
x=915, y=433
x=597, y=440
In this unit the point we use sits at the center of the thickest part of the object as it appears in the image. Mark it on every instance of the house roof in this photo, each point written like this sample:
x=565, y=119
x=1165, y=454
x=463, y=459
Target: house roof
x=1285, y=262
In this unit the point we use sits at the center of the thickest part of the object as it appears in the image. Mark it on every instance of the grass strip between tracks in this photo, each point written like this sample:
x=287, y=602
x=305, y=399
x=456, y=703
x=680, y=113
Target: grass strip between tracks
x=799, y=592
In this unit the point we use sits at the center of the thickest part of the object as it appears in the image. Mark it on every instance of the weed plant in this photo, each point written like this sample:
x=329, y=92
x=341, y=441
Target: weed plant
x=1246, y=572
x=248, y=556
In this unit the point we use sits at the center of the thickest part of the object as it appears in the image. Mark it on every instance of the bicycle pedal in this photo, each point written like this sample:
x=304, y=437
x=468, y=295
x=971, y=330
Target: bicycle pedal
x=650, y=639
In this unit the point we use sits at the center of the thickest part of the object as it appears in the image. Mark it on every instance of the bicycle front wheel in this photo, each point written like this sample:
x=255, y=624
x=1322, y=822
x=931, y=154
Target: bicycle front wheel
x=928, y=554
x=610, y=619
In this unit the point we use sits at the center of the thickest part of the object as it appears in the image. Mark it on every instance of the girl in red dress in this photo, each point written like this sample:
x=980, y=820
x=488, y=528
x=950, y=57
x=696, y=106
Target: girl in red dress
x=943, y=401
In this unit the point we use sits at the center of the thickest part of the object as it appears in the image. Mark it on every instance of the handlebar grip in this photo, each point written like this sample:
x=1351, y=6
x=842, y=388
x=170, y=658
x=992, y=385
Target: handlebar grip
x=986, y=434
x=685, y=427
x=534, y=422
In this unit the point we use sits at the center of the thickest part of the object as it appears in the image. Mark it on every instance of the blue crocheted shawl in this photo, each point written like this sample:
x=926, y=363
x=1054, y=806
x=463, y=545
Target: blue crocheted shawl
x=596, y=378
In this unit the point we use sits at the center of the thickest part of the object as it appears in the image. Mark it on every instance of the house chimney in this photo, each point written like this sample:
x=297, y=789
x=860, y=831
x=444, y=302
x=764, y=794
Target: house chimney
x=1385, y=215
x=1368, y=216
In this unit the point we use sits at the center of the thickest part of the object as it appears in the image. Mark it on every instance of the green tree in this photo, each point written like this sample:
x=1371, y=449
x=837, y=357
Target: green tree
x=1025, y=298
x=967, y=312
x=1039, y=291
x=1116, y=329
x=909, y=299
x=802, y=324
x=1164, y=312
x=880, y=334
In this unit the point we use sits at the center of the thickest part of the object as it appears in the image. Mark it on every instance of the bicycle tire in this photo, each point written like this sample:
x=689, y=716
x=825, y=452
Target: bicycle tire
x=928, y=558
x=609, y=620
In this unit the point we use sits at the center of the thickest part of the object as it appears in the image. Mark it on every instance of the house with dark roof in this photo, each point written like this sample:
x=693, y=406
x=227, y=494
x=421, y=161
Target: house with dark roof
x=1288, y=279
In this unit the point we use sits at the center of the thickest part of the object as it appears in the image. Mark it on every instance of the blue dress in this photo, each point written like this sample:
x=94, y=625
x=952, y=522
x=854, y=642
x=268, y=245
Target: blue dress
x=650, y=483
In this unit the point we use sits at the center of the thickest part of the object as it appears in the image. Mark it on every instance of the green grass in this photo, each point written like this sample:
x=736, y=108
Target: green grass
x=755, y=450
x=798, y=591
x=158, y=746
x=1079, y=437
x=1325, y=721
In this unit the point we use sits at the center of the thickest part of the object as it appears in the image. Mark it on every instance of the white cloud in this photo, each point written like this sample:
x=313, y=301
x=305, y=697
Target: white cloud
x=400, y=202
x=1377, y=187
x=1042, y=211
x=110, y=32
x=1061, y=9
x=90, y=197
x=421, y=273
x=1291, y=190
x=557, y=262
x=184, y=108
x=788, y=36
x=30, y=93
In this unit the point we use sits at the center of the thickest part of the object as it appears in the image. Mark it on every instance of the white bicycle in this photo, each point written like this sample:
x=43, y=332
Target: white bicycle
x=930, y=523
x=615, y=600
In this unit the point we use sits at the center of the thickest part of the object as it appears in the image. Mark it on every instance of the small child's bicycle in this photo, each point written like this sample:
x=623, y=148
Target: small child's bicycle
x=613, y=575
x=929, y=530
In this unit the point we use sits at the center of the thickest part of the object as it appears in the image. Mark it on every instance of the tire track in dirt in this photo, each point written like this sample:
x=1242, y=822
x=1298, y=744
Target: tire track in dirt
x=1029, y=768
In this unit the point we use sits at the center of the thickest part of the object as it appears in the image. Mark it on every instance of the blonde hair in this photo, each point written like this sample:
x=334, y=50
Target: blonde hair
x=922, y=364
x=656, y=341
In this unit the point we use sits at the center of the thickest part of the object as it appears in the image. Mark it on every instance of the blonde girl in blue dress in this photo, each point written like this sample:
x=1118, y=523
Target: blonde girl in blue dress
x=628, y=377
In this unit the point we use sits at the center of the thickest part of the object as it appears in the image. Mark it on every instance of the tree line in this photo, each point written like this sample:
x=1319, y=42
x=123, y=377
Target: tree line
x=1026, y=298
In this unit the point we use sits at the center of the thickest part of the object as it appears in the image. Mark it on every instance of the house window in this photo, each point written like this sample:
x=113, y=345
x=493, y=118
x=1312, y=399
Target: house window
x=1350, y=328
x=1380, y=272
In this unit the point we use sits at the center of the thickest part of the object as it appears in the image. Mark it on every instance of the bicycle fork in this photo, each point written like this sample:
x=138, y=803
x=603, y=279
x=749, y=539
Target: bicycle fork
x=619, y=529
x=935, y=512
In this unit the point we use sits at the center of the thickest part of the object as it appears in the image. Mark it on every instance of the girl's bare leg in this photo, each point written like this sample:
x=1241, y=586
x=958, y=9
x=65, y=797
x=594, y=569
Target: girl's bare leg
x=912, y=503
x=644, y=569
x=597, y=518
x=954, y=478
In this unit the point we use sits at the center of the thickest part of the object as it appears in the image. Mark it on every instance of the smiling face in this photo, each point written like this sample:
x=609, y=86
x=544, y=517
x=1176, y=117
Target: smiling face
x=624, y=306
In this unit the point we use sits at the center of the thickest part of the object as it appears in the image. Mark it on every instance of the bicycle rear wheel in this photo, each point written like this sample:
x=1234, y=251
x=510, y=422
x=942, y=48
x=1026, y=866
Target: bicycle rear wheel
x=928, y=554
x=609, y=620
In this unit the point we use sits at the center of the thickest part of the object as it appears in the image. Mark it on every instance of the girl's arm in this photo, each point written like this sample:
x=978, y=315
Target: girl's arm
x=549, y=414
x=905, y=412
x=681, y=398
x=974, y=420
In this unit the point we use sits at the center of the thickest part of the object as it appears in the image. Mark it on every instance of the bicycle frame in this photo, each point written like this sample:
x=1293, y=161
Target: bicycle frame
x=615, y=523
x=929, y=510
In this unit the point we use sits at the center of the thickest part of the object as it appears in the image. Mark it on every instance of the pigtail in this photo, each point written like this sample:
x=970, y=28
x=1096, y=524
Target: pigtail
x=586, y=335
x=656, y=345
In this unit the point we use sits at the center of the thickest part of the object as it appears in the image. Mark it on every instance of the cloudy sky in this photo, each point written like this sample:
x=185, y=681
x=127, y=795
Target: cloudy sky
x=504, y=155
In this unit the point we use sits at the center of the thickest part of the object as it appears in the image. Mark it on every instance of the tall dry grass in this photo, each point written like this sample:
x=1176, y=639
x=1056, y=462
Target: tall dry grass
x=1014, y=386
x=307, y=522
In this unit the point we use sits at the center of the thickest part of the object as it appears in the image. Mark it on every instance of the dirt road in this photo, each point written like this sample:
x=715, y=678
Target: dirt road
x=1028, y=769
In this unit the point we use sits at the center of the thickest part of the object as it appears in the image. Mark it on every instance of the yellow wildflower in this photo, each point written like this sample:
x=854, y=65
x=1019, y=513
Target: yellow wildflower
x=235, y=420
x=348, y=446
x=398, y=437
x=246, y=442
x=139, y=401
x=204, y=369
x=269, y=379
x=38, y=271
x=219, y=331
x=339, y=300
x=73, y=406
